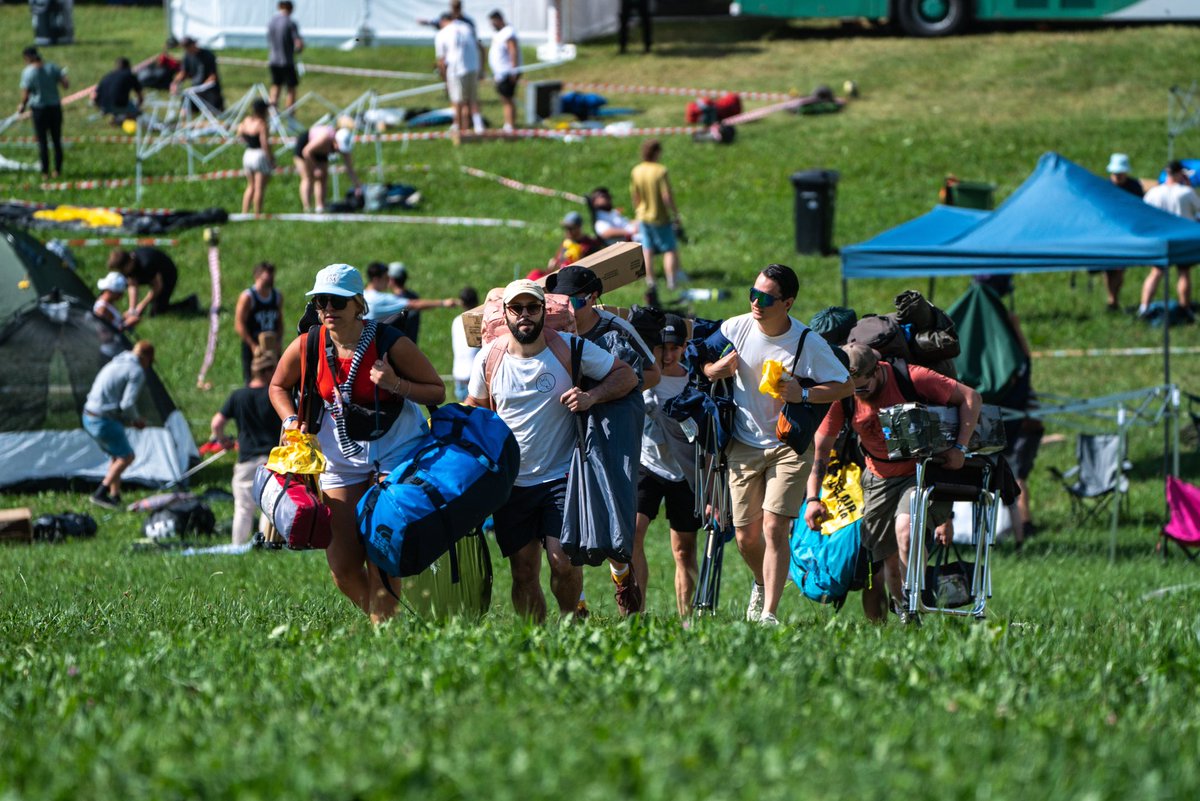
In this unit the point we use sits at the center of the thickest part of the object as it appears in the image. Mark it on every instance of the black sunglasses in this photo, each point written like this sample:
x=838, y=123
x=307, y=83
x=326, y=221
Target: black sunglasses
x=337, y=302
x=532, y=309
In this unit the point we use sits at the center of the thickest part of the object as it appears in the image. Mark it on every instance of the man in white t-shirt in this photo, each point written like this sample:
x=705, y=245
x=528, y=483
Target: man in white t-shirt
x=1177, y=197
x=457, y=52
x=667, y=472
x=464, y=354
x=611, y=225
x=528, y=383
x=504, y=58
x=766, y=478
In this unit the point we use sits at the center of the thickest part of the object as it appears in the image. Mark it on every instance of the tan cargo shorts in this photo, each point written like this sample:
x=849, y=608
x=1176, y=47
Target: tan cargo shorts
x=765, y=480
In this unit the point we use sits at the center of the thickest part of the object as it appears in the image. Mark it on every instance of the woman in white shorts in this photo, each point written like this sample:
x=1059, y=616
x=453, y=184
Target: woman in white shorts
x=257, y=161
x=370, y=416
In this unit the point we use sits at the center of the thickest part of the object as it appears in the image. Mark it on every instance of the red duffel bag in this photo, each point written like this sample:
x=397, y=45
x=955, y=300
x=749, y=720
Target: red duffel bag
x=294, y=508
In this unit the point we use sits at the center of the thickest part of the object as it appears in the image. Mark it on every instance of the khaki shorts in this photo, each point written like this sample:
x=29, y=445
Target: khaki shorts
x=463, y=88
x=885, y=499
x=765, y=480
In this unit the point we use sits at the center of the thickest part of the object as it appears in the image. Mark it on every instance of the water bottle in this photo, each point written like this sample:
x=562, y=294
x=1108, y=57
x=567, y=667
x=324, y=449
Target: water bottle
x=704, y=294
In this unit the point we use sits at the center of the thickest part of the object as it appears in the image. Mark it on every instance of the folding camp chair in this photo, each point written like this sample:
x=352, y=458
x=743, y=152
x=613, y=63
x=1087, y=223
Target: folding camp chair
x=1098, y=479
x=970, y=484
x=714, y=504
x=1183, y=529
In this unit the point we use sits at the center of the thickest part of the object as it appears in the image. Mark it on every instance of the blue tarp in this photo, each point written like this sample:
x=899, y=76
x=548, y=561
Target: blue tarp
x=1062, y=218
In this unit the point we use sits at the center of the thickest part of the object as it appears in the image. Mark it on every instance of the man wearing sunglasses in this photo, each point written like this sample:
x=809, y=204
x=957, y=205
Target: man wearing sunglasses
x=765, y=475
x=582, y=286
x=887, y=484
x=528, y=383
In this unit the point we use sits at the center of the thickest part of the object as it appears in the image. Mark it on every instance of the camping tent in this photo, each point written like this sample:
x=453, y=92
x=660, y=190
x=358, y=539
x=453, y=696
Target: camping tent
x=236, y=23
x=51, y=350
x=990, y=357
x=1062, y=218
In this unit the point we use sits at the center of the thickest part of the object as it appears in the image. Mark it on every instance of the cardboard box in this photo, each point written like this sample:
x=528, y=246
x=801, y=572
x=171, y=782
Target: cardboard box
x=16, y=525
x=616, y=266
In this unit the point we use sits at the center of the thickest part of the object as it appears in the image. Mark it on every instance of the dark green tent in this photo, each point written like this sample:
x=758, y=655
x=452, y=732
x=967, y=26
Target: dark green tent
x=29, y=271
x=991, y=358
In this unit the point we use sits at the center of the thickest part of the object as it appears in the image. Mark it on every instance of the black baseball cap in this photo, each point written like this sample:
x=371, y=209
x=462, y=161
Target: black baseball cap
x=573, y=280
x=674, y=330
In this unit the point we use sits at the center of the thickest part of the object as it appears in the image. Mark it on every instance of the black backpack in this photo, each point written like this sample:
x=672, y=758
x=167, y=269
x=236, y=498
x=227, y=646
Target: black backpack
x=56, y=528
x=180, y=519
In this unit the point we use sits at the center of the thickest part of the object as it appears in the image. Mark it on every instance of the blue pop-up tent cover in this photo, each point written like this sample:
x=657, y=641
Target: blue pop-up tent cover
x=1062, y=218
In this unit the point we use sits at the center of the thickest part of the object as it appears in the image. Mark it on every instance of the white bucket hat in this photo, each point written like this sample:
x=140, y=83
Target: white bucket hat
x=1118, y=162
x=113, y=282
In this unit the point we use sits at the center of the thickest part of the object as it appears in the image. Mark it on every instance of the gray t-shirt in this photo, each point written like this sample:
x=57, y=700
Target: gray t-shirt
x=42, y=82
x=282, y=34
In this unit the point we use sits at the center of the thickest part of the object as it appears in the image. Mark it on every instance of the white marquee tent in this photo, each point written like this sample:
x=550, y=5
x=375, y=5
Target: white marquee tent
x=242, y=23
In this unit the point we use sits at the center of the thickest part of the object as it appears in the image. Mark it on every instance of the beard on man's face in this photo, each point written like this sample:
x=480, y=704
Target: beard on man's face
x=525, y=330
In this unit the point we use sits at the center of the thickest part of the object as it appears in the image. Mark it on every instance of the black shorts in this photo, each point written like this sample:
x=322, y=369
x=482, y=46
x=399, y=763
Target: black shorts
x=530, y=512
x=284, y=76
x=301, y=143
x=507, y=87
x=653, y=489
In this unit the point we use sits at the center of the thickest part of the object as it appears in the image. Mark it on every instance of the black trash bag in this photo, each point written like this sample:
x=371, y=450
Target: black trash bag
x=913, y=309
x=179, y=520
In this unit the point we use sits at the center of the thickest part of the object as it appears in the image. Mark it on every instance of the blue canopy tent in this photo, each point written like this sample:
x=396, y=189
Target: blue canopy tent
x=1062, y=218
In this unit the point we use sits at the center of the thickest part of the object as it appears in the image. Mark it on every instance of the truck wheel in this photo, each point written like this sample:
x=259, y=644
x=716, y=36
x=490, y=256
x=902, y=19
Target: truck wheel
x=932, y=17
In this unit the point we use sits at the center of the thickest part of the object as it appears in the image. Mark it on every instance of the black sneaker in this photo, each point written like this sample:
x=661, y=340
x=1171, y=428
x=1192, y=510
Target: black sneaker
x=102, y=498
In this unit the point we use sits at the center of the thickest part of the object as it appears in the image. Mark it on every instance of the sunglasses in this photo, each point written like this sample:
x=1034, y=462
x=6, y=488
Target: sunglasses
x=336, y=302
x=763, y=299
x=577, y=302
x=519, y=309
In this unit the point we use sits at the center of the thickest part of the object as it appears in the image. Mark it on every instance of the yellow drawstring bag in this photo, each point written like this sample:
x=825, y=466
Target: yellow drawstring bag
x=773, y=375
x=299, y=454
x=842, y=494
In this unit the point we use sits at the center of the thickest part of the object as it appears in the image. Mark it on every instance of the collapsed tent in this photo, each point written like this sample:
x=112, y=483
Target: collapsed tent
x=1062, y=218
x=52, y=349
x=99, y=219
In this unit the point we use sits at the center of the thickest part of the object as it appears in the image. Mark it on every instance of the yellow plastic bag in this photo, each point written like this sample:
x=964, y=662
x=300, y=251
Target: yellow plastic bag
x=842, y=494
x=299, y=454
x=91, y=217
x=773, y=375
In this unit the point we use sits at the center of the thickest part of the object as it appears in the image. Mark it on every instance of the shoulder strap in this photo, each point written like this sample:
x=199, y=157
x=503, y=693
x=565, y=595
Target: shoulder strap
x=498, y=351
x=904, y=381
x=800, y=349
x=564, y=353
x=310, y=360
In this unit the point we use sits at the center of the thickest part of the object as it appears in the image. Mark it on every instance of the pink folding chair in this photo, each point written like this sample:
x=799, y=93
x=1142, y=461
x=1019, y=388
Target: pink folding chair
x=1183, y=502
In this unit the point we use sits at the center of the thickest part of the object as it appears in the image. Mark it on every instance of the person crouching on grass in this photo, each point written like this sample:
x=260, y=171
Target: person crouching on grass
x=349, y=372
x=113, y=400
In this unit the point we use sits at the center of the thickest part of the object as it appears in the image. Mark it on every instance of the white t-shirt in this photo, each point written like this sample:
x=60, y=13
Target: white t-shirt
x=1180, y=200
x=382, y=305
x=526, y=395
x=656, y=456
x=457, y=45
x=607, y=221
x=499, y=59
x=756, y=413
x=464, y=354
x=109, y=314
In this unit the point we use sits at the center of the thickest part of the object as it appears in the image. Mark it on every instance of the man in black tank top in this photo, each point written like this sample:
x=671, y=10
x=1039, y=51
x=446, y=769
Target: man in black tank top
x=259, y=310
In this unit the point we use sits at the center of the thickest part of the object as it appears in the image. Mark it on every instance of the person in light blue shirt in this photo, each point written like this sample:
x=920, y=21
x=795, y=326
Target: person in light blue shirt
x=39, y=93
x=383, y=305
x=111, y=403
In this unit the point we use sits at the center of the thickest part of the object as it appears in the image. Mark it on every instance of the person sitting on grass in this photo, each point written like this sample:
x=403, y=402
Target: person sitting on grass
x=112, y=94
x=575, y=245
x=611, y=225
x=111, y=402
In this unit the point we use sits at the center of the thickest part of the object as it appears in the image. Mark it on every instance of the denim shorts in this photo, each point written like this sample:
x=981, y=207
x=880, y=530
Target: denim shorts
x=657, y=238
x=109, y=435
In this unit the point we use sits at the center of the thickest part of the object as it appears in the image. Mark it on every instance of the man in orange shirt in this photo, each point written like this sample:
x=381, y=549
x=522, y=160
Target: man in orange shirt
x=887, y=484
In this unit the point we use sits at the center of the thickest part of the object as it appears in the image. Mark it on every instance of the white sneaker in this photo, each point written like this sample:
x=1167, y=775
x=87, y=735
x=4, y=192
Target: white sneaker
x=768, y=619
x=755, y=607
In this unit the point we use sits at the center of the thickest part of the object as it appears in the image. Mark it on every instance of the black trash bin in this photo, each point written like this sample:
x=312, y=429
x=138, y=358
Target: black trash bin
x=816, y=193
x=53, y=21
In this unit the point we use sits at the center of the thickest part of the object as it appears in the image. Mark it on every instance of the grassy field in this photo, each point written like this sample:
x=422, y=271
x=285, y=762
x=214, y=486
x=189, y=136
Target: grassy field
x=155, y=676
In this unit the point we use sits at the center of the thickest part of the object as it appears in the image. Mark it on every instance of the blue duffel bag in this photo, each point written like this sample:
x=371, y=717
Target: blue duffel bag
x=461, y=472
x=827, y=567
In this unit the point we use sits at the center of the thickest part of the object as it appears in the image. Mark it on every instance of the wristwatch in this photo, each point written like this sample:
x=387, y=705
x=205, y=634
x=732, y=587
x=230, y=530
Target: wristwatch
x=804, y=394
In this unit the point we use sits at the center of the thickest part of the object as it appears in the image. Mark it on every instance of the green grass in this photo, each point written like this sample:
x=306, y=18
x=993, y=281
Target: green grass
x=153, y=676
